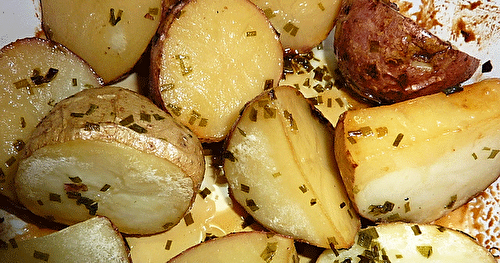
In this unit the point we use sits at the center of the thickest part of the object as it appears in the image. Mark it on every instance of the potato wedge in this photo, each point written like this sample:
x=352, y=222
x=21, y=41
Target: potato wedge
x=412, y=243
x=302, y=25
x=210, y=59
x=242, y=247
x=111, y=152
x=386, y=57
x=280, y=167
x=36, y=75
x=110, y=35
x=418, y=160
x=93, y=240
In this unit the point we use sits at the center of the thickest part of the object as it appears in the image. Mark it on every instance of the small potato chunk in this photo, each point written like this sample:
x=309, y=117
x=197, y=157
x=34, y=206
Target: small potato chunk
x=242, y=247
x=386, y=57
x=111, y=152
x=111, y=35
x=410, y=243
x=302, y=25
x=210, y=59
x=94, y=240
x=34, y=76
x=280, y=167
x=420, y=159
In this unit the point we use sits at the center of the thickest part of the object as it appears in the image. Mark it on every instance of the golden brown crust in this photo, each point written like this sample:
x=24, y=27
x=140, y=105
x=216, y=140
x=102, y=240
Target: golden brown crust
x=386, y=57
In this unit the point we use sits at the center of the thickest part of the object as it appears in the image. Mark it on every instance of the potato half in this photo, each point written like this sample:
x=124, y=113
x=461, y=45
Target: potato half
x=412, y=243
x=420, y=159
x=34, y=76
x=386, y=57
x=242, y=247
x=111, y=35
x=210, y=59
x=111, y=152
x=94, y=240
x=280, y=167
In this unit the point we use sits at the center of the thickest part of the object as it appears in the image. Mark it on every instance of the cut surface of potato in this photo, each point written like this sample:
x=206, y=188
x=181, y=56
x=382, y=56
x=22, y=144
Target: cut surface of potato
x=386, y=57
x=210, y=59
x=303, y=24
x=242, y=247
x=94, y=240
x=405, y=242
x=111, y=152
x=280, y=167
x=110, y=35
x=420, y=159
x=36, y=75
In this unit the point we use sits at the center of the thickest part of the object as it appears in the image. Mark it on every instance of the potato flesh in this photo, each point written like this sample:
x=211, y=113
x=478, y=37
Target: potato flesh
x=207, y=73
x=302, y=24
x=447, y=153
x=402, y=242
x=242, y=247
x=86, y=28
x=94, y=240
x=289, y=172
x=145, y=193
x=24, y=107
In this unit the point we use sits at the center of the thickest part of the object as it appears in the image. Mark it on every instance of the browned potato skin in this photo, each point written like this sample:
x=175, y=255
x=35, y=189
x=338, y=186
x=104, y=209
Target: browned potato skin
x=385, y=57
x=184, y=149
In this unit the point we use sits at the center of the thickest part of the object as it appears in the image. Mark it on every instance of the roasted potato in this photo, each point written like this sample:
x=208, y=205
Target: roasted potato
x=385, y=57
x=280, y=167
x=407, y=242
x=242, y=247
x=110, y=35
x=93, y=240
x=111, y=152
x=204, y=74
x=36, y=74
x=420, y=159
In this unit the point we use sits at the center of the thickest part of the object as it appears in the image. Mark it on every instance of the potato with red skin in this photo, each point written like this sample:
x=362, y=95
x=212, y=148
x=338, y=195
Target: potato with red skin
x=386, y=57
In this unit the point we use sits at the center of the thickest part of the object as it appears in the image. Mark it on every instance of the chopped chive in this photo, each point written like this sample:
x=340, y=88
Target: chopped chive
x=303, y=188
x=342, y=205
x=269, y=113
x=105, y=188
x=441, y=228
x=407, y=207
x=277, y=174
x=55, y=197
x=40, y=255
x=269, y=13
x=39, y=202
x=145, y=117
x=113, y=20
x=23, y=122
x=474, y=155
x=251, y=33
x=185, y=70
x=75, y=179
x=168, y=245
x=253, y=114
x=366, y=131
x=241, y=132
x=188, y=219
x=229, y=155
x=321, y=7
x=251, y=204
x=339, y=102
x=175, y=110
x=168, y=225
x=416, y=230
x=398, y=140
x=493, y=154
x=351, y=140
x=13, y=243
x=453, y=199
x=137, y=128
x=291, y=121
x=313, y=201
x=245, y=188
x=247, y=221
x=158, y=117
x=128, y=120
x=381, y=131
x=291, y=29
x=381, y=209
x=74, y=82
x=366, y=236
x=22, y=84
x=269, y=252
x=77, y=114
x=166, y=87
x=425, y=251
x=205, y=192
x=203, y=122
x=451, y=90
x=89, y=126
x=332, y=242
